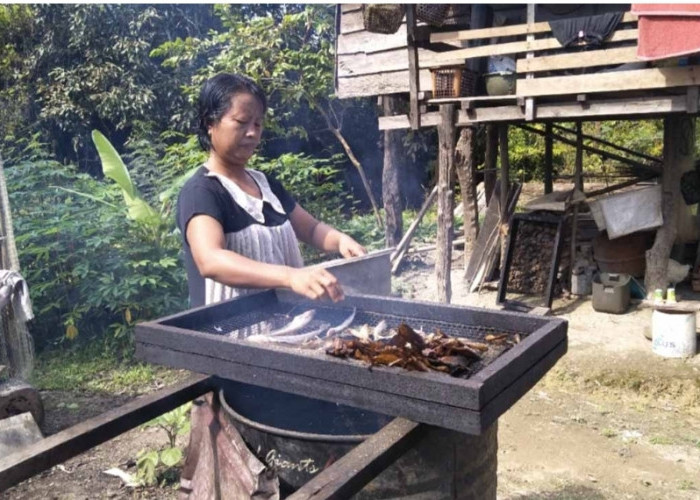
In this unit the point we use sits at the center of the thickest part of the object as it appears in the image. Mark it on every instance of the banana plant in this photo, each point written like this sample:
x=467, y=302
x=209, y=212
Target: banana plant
x=114, y=168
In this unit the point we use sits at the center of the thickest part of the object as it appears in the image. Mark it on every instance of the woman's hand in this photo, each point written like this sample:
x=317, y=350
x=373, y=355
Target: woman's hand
x=315, y=283
x=347, y=247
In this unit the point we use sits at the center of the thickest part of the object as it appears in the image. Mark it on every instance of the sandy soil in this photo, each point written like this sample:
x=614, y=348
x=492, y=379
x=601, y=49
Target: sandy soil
x=610, y=421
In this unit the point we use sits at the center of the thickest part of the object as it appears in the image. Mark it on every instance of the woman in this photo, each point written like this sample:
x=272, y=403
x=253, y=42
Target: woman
x=240, y=228
x=240, y=233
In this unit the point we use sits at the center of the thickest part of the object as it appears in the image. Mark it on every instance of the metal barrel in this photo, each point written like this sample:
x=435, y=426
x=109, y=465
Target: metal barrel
x=299, y=436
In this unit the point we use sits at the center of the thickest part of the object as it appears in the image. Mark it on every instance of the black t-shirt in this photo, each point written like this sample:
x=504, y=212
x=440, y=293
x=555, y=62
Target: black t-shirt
x=238, y=214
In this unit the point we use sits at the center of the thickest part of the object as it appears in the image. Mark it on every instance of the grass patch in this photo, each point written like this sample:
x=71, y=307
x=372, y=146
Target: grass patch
x=609, y=433
x=91, y=368
x=683, y=391
x=660, y=440
x=686, y=485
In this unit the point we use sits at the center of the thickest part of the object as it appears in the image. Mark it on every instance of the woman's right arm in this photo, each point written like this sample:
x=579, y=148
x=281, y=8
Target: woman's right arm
x=207, y=243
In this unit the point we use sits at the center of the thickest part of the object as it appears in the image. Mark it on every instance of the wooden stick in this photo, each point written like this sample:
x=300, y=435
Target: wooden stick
x=70, y=442
x=615, y=187
x=610, y=144
x=360, y=465
x=398, y=254
x=591, y=149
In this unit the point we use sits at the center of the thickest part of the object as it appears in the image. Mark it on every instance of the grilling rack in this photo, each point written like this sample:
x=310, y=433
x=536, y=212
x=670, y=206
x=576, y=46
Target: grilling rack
x=201, y=340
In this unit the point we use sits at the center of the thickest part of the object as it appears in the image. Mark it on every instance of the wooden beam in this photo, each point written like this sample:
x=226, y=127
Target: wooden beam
x=578, y=165
x=520, y=47
x=348, y=475
x=530, y=102
x=431, y=119
x=445, y=210
x=650, y=78
x=414, y=77
x=610, y=144
x=365, y=41
x=351, y=7
x=587, y=59
x=351, y=22
x=615, y=187
x=394, y=82
x=383, y=62
x=504, y=31
x=474, y=99
x=70, y=442
x=497, y=32
x=548, y=167
x=596, y=109
x=592, y=149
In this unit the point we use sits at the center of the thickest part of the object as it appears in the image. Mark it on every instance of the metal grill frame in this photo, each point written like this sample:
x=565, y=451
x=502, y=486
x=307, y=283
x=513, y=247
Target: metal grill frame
x=467, y=405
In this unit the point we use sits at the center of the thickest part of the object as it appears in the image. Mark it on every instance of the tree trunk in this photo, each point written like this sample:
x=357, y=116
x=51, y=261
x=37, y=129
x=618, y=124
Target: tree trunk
x=490, y=173
x=464, y=165
x=678, y=149
x=391, y=182
x=446, y=138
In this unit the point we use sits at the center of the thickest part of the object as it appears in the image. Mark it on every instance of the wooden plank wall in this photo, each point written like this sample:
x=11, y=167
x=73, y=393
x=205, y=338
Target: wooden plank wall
x=370, y=64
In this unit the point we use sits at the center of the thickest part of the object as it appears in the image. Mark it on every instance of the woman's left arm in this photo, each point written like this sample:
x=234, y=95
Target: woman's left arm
x=322, y=236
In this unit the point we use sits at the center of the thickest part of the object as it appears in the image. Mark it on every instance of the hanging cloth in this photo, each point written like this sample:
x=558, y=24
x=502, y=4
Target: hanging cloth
x=590, y=29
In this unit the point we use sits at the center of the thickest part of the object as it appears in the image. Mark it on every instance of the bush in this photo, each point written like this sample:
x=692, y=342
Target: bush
x=91, y=271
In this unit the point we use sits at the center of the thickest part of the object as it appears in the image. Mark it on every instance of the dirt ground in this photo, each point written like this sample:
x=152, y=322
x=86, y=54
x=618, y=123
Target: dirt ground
x=611, y=420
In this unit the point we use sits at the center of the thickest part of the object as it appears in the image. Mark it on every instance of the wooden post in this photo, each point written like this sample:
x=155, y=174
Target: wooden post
x=391, y=182
x=578, y=174
x=464, y=165
x=679, y=132
x=530, y=102
x=490, y=161
x=413, y=69
x=548, y=167
x=446, y=138
x=578, y=184
x=505, y=188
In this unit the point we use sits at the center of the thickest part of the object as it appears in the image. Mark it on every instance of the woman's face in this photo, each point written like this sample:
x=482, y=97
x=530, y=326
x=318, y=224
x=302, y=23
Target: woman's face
x=235, y=137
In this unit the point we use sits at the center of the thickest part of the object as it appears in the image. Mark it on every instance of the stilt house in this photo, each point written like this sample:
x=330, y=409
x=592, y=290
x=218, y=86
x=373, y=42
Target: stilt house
x=503, y=65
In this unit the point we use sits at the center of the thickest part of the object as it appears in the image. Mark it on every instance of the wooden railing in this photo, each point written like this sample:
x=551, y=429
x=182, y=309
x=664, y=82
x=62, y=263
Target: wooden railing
x=547, y=57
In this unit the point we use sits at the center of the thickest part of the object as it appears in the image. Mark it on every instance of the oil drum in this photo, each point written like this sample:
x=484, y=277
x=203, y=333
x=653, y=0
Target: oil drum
x=299, y=436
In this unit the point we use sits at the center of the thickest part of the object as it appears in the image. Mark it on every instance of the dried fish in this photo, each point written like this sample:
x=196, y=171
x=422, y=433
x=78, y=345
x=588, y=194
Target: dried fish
x=379, y=329
x=297, y=323
x=477, y=346
x=287, y=339
x=343, y=325
x=496, y=338
x=362, y=333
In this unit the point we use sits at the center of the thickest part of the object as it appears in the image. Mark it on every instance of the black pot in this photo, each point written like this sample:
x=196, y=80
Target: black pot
x=295, y=435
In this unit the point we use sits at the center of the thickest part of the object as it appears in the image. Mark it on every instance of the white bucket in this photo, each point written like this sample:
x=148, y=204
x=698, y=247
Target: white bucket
x=673, y=334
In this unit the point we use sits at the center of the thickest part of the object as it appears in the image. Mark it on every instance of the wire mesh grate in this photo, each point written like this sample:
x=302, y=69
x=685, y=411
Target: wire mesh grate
x=279, y=314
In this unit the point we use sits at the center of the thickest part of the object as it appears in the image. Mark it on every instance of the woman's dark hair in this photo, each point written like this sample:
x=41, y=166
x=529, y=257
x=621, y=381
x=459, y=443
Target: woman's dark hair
x=215, y=101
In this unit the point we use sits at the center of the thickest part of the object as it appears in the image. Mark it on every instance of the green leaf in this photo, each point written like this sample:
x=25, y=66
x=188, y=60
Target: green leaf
x=115, y=169
x=171, y=456
x=112, y=164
